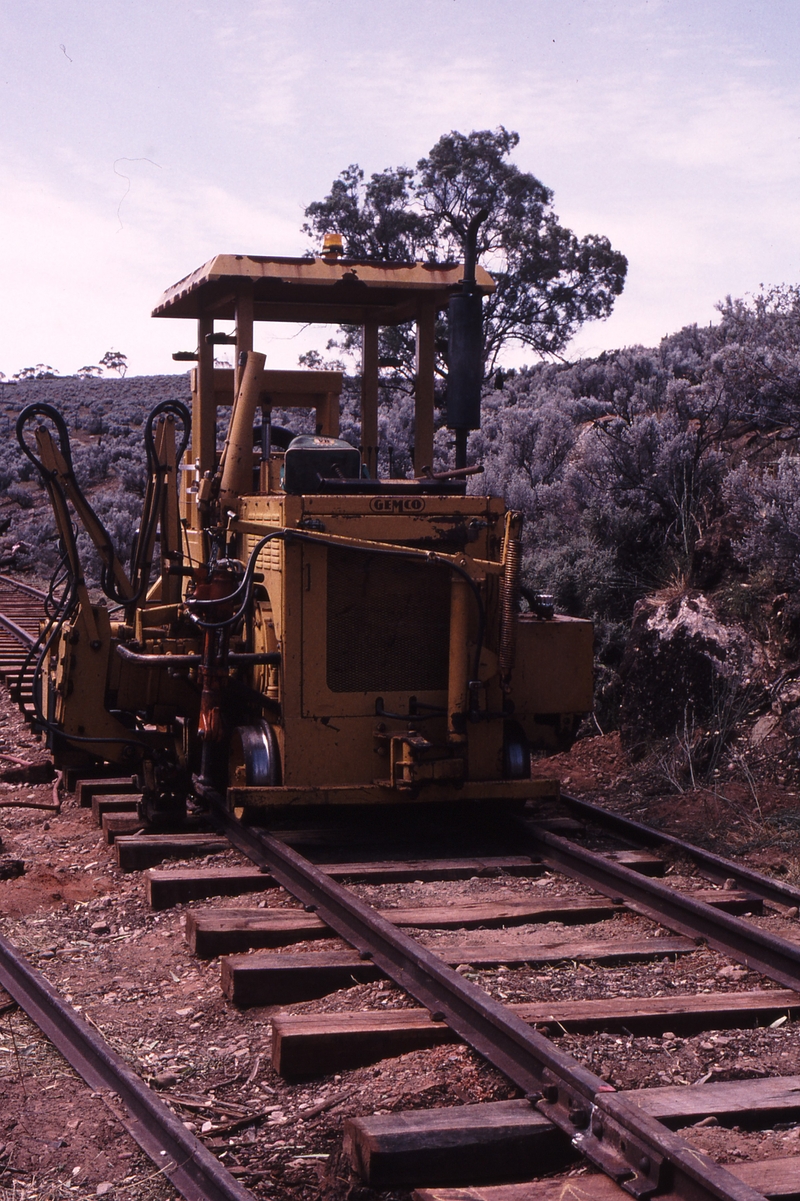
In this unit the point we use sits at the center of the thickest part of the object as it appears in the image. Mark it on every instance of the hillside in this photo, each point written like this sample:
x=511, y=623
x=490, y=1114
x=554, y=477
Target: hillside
x=105, y=420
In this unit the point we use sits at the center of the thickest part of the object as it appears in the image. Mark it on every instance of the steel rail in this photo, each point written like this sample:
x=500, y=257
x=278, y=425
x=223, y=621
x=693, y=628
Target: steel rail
x=24, y=636
x=717, y=868
x=610, y=1130
x=195, y=1172
x=37, y=592
x=775, y=957
x=21, y=635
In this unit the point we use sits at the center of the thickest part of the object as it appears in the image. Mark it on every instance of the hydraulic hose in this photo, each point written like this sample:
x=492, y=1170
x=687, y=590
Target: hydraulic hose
x=97, y=531
x=146, y=538
x=290, y=535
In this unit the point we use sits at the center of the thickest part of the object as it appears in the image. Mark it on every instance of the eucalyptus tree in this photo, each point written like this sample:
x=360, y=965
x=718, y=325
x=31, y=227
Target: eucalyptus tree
x=549, y=280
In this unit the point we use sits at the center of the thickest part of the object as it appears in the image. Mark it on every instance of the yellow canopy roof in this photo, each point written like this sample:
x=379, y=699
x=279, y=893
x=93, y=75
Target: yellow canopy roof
x=328, y=290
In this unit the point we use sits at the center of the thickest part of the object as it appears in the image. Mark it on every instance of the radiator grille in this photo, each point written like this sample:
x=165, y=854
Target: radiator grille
x=388, y=624
x=269, y=558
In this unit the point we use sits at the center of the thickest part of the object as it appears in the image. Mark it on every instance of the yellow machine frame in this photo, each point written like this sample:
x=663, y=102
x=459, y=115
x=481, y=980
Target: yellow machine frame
x=379, y=655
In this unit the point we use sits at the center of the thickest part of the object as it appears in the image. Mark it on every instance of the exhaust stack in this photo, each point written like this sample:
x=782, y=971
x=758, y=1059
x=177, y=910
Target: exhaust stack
x=465, y=348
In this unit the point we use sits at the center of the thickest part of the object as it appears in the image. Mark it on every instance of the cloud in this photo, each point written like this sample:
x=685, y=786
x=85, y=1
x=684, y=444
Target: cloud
x=670, y=127
x=76, y=283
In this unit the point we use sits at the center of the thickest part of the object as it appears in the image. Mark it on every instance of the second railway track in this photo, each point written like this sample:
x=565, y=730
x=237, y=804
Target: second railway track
x=544, y=944
x=21, y=613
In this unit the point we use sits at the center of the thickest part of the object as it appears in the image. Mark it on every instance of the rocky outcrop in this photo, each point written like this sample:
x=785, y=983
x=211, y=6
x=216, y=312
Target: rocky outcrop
x=683, y=668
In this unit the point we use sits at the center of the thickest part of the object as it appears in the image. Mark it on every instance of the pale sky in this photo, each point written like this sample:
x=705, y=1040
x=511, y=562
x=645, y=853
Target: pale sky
x=141, y=137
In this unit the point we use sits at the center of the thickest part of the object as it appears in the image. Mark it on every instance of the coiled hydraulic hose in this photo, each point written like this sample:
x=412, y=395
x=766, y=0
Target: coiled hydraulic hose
x=100, y=535
x=146, y=537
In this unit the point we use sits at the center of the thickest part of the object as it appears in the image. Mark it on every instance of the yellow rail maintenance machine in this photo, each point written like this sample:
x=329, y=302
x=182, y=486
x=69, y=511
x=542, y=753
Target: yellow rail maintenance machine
x=292, y=629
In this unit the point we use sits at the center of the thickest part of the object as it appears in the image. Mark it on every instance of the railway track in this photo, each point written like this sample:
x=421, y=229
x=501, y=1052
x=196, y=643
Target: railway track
x=409, y=916
x=21, y=612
